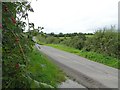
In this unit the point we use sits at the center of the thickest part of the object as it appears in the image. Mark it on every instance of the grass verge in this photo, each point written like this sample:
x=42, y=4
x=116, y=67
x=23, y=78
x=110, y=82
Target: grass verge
x=43, y=70
x=107, y=60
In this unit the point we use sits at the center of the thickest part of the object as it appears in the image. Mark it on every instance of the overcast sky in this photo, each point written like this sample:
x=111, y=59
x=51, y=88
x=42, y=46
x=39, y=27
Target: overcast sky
x=69, y=16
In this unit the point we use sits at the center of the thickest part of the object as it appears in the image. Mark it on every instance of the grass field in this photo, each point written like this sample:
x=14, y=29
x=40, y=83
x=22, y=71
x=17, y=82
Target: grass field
x=89, y=36
x=107, y=60
x=43, y=70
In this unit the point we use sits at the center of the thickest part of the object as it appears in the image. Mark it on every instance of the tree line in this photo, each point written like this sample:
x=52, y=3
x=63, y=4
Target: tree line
x=67, y=34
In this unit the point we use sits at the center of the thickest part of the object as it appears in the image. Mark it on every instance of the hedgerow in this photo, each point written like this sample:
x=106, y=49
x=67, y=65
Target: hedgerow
x=16, y=45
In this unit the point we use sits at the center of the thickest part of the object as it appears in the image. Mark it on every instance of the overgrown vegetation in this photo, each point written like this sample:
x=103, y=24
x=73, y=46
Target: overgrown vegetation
x=43, y=70
x=15, y=45
x=104, y=41
x=23, y=67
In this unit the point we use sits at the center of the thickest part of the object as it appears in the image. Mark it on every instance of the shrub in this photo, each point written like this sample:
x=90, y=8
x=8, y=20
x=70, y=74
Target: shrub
x=104, y=41
x=52, y=40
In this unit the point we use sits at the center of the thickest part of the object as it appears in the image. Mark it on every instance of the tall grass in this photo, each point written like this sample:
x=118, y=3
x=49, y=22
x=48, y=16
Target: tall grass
x=43, y=70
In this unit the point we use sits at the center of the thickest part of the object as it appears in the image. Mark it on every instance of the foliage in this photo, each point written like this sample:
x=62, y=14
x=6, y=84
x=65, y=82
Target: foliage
x=77, y=42
x=104, y=41
x=50, y=39
x=20, y=61
x=16, y=45
x=74, y=41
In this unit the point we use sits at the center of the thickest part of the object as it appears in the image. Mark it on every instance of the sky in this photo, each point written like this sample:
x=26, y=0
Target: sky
x=68, y=16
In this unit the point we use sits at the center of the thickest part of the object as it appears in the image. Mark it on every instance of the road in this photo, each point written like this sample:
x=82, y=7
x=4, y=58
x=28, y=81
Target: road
x=86, y=72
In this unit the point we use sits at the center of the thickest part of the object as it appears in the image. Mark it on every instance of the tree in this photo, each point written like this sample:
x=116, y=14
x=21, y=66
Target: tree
x=61, y=35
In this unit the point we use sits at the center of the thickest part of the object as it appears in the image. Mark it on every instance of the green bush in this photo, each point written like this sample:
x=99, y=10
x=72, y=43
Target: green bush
x=52, y=39
x=75, y=41
x=104, y=41
x=15, y=45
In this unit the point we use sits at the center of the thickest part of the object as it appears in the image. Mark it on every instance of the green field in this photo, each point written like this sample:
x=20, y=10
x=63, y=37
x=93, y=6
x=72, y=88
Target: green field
x=43, y=70
x=64, y=37
x=107, y=60
x=89, y=36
